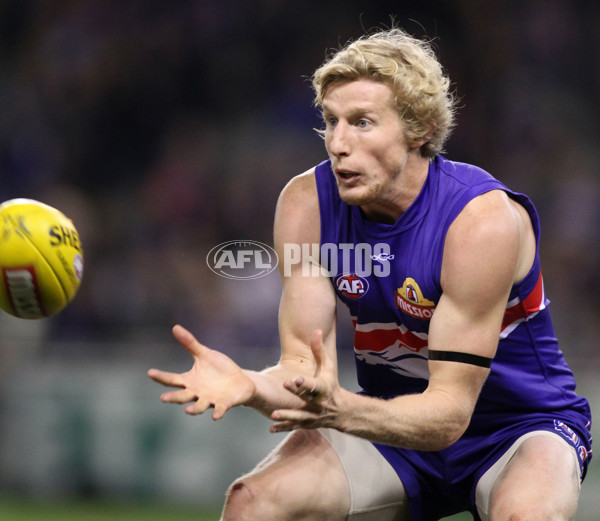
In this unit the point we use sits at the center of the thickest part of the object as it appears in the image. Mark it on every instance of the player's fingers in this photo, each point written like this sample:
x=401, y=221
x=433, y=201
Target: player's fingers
x=220, y=410
x=306, y=388
x=201, y=405
x=187, y=340
x=165, y=378
x=183, y=396
x=288, y=420
x=198, y=407
x=293, y=385
x=284, y=427
x=293, y=415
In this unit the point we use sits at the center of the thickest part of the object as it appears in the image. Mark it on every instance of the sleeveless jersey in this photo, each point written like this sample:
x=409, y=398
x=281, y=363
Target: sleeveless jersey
x=389, y=277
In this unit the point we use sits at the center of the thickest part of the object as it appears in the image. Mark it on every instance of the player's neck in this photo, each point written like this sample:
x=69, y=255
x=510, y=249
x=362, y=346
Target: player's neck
x=405, y=189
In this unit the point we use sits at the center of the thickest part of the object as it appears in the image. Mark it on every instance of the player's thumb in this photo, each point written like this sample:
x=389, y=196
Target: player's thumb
x=187, y=340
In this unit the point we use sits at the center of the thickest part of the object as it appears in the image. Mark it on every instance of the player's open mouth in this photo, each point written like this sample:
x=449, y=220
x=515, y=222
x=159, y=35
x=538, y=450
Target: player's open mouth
x=344, y=175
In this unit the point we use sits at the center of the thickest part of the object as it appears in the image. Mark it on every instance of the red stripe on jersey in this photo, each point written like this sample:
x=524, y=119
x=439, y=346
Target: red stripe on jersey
x=533, y=303
x=380, y=339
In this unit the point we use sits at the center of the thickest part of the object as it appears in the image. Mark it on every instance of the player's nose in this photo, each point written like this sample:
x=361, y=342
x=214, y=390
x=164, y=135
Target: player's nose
x=338, y=144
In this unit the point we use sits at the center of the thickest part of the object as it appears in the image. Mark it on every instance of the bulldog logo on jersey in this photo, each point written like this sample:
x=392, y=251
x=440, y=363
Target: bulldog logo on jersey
x=410, y=299
x=351, y=285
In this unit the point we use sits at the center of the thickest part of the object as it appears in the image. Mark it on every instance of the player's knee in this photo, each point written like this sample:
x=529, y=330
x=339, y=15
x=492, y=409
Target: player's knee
x=239, y=500
x=538, y=512
x=246, y=500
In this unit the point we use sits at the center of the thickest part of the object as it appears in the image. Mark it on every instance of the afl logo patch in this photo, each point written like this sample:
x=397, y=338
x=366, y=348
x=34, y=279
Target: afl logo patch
x=351, y=285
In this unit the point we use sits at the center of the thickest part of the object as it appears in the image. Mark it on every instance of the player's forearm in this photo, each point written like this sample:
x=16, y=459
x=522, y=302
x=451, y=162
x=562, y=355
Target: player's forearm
x=270, y=393
x=421, y=421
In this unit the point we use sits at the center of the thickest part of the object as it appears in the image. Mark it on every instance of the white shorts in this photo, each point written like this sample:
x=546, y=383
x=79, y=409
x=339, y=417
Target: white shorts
x=485, y=484
x=376, y=491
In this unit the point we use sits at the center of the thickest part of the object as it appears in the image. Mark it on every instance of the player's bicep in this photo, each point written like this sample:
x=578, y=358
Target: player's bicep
x=478, y=270
x=480, y=260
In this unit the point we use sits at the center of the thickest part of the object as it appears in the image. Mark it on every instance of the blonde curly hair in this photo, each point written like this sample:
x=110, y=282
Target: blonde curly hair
x=409, y=66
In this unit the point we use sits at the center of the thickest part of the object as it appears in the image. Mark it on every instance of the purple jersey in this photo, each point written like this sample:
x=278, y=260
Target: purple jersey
x=392, y=299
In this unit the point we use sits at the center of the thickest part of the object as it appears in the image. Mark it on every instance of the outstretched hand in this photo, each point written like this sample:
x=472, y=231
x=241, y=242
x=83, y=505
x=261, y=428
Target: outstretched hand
x=213, y=381
x=321, y=394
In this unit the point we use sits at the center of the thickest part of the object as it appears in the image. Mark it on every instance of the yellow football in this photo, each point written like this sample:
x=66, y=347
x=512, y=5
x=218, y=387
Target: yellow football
x=41, y=259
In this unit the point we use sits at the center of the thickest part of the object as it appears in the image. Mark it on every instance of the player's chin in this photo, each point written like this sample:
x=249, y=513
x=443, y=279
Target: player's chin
x=355, y=196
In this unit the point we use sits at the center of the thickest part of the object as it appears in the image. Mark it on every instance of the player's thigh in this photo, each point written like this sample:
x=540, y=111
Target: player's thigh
x=301, y=479
x=376, y=491
x=540, y=481
x=320, y=475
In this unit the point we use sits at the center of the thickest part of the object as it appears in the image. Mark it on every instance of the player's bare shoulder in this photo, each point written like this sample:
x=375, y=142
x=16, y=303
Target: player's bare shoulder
x=299, y=191
x=494, y=225
x=297, y=217
x=527, y=240
x=508, y=221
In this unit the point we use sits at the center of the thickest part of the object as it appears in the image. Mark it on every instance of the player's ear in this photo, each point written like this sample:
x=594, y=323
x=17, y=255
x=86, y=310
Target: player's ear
x=420, y=141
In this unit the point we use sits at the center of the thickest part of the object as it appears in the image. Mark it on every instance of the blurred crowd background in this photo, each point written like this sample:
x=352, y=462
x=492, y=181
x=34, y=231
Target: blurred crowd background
x=163, y=128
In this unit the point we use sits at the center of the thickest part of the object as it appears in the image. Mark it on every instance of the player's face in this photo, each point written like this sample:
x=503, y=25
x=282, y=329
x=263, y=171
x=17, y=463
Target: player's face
x=367, y=145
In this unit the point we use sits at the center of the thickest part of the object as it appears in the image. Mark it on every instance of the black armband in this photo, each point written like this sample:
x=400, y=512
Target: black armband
x=465, y=358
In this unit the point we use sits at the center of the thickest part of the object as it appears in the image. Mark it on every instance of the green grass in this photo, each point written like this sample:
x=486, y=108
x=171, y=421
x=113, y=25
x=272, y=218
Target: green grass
x=13, y=509
x=31, y=510
x=35, y=510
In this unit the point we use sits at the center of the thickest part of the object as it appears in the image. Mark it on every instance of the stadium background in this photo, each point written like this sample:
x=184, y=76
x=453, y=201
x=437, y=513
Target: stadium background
x=164, y=128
